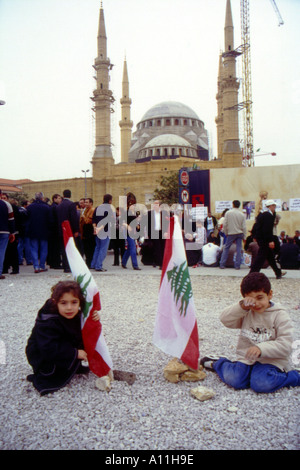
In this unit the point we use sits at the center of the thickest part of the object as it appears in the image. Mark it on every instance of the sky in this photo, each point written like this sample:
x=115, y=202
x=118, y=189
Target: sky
x=47, y=52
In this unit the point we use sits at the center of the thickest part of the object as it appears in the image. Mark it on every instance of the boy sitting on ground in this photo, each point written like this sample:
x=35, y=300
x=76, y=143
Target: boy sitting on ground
x=264, y=344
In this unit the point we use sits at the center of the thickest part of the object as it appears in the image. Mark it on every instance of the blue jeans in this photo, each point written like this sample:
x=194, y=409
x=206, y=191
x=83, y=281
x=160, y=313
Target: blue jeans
x=24, y=249
x=39, y=252
x=238, y=238
x=131, y=251
x=262, y=378
x=100, y=252
x=3, y=246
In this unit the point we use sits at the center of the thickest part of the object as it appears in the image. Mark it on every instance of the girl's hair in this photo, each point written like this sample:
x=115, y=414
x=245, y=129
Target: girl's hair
x=62, y=287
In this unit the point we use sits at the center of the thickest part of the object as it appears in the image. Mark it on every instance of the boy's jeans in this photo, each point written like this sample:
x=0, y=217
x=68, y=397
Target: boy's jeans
x=262, y=378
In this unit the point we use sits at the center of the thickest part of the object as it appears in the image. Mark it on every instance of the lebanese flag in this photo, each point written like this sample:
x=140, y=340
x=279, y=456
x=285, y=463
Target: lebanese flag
x=175, y=330
x=99, y=359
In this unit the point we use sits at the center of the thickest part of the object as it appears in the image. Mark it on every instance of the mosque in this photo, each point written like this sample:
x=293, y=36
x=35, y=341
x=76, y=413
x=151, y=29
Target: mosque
x=171, y=136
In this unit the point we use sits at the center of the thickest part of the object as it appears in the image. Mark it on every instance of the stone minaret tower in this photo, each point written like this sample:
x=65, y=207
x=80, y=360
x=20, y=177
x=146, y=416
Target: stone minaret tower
x=228, y=99
x=125, y=123
x=103, y=99
x=219, y=118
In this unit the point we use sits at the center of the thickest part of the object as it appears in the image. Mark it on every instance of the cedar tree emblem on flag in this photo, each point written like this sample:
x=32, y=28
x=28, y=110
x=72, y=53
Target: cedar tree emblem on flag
x=99, y=359
x=176, y=331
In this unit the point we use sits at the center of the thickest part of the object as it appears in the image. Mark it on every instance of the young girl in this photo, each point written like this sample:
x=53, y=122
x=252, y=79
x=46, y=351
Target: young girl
x=55, y=348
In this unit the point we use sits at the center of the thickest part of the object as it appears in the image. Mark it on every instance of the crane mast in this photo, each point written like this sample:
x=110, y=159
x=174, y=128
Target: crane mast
x=246, y=105
x=248, y=155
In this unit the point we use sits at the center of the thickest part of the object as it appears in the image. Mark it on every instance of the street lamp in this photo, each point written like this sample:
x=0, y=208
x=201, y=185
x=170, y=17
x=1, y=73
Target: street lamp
x=85, y=172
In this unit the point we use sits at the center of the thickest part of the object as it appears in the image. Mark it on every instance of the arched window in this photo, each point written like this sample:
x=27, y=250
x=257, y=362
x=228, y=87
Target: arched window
x=168, y=122
x=176, y=122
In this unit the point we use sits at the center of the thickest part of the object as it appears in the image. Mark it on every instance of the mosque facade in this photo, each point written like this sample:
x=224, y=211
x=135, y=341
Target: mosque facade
x=169, y=136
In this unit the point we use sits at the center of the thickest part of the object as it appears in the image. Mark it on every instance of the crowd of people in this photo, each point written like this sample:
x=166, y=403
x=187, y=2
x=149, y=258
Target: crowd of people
x=225, y=242
x=31, y=233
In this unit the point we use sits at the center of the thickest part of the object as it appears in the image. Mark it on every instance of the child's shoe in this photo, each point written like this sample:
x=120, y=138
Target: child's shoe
x=208, y=361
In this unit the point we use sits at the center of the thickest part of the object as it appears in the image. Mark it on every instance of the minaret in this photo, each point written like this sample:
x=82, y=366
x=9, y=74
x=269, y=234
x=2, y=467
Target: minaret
x=219, y=118
x=125, y=123
x=103, y=97
x=232, y=155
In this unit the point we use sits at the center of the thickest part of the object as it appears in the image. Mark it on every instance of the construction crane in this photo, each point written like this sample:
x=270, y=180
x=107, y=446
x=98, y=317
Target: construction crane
x=246, y=105
x=248, y=154
x=281, y=22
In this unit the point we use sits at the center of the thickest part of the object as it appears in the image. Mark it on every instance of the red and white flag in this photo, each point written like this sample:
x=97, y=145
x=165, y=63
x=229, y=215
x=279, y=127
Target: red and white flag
x=176, y=331
x=99, y=359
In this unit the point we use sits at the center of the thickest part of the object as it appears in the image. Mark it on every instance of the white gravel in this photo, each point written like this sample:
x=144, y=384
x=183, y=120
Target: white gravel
x=151, y=414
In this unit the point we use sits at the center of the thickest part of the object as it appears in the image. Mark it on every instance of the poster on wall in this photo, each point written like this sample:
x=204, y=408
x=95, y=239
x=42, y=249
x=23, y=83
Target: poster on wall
x=220, y=206
x=295, y=204
x=199, y=213
x=249, y=209
x=285, y=206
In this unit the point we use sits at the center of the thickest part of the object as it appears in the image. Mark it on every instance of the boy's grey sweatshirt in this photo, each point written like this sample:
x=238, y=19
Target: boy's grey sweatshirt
x=271, y=331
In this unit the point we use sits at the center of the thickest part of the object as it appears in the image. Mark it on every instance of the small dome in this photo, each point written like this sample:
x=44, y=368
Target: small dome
x=170, y=109
x=167, y=140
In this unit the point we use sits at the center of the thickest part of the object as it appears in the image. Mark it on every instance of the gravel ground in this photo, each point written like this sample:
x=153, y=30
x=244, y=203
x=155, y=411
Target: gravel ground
x=151, y=414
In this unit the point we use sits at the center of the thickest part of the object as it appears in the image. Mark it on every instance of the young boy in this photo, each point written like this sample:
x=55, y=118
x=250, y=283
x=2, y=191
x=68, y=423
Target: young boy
x=264, y=344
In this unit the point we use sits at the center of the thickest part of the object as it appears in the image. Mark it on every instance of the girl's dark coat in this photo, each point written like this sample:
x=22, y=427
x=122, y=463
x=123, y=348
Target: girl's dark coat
x=52, y=349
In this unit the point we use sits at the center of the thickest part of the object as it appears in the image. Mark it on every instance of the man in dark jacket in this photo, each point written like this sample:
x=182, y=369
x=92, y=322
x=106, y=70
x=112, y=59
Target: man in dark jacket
x=265, y=238
x=39, y=220
x=66, y=210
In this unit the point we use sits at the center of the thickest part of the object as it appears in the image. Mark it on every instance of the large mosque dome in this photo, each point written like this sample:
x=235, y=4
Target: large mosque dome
x=169, y=109
x=169, y=130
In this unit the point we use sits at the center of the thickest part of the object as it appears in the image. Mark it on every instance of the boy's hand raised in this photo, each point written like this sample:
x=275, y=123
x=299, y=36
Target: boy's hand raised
x=247, y=303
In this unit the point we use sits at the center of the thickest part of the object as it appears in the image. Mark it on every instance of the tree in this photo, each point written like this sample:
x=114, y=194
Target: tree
x=168, y=190
x=19, y=197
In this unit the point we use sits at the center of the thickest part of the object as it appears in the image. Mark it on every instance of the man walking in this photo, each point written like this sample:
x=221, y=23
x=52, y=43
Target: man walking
x=264, y=235
x=234, y=227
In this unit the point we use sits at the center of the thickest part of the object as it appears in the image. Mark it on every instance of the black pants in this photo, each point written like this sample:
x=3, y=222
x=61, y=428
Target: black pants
x=89, y=248
x=265, y=253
